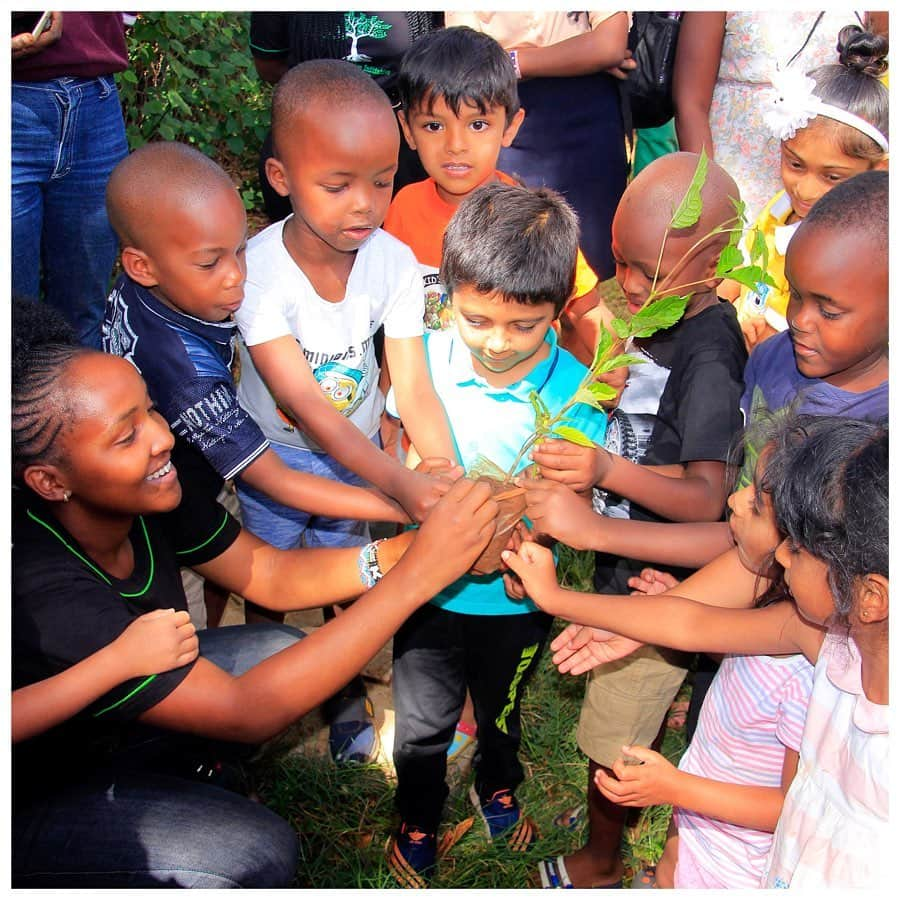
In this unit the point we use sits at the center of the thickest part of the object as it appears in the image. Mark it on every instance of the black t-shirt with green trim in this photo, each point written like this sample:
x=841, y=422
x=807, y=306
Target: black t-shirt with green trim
x=65, y=607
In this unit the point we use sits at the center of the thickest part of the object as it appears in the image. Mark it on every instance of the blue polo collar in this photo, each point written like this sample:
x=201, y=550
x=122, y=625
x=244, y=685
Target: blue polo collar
x=463, y=372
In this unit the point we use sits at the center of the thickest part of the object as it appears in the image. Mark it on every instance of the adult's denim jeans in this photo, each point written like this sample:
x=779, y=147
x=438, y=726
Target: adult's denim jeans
x=67, y=136
x=131, y=826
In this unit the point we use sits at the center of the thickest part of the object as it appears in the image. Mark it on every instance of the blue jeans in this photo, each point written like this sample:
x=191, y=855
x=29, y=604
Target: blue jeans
x=286, y=527
x=67, y=136
x=130, y=825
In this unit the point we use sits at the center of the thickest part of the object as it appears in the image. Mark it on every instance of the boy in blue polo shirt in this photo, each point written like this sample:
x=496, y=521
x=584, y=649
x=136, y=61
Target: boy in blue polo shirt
x=508, y=265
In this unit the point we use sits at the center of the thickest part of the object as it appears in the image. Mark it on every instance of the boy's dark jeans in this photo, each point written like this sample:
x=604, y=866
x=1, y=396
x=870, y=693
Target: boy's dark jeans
x=437, y=654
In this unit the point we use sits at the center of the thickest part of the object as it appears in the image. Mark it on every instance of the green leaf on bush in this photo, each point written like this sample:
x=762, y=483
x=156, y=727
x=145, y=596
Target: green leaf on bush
x=658, y=315
x=567, y=433
x=200, y=58
x=691, y=206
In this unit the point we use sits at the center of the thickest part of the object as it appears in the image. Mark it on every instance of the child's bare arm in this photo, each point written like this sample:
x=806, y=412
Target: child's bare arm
x=283, y=367
x=558, y=511
x=319, y=496
x=421, y=411
x=155, y=642
x=656, y=782
x=672, y=621
x=698, y=496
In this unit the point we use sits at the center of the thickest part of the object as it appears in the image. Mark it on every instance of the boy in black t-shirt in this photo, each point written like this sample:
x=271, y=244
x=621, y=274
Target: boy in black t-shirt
x=664, y=460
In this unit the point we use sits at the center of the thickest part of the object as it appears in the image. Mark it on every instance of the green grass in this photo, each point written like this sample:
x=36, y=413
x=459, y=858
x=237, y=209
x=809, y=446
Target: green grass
x=345, y=816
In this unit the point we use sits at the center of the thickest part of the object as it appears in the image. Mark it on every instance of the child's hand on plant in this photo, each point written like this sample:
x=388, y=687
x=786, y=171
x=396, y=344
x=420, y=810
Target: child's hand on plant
x=559, y=512
x=534, y=566
x=512, y=584
x=642, y=778
x=652, y=581
x=579, y=648
x=580, y=468
x=419, y=491
x=157, y=641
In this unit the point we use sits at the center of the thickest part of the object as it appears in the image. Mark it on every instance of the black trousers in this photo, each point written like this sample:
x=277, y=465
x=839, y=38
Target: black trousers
x=437, y=655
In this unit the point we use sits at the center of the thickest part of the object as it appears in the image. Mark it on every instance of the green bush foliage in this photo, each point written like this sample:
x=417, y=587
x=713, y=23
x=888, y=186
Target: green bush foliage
x=192, y=79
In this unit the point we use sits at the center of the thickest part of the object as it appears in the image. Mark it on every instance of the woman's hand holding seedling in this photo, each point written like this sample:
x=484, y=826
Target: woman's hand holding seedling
x=643, y=778
x=579, y=648
x=558, y=511
x=452, y=536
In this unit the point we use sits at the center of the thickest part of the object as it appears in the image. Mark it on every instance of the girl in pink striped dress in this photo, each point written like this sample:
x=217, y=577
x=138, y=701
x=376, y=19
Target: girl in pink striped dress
x=830, y=496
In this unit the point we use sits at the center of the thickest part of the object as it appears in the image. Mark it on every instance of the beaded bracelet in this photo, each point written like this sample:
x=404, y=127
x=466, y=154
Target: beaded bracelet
x=514, y=56
x=369, y=570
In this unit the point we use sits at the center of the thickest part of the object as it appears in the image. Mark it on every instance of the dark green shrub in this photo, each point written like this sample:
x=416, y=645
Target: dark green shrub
x=192, y=79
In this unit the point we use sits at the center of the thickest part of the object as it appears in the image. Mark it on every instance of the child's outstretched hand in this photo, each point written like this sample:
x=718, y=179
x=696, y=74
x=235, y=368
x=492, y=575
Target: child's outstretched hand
x=534, y=566
x=580, y=468
x=158, y=641
x=652, y=581
x=643, y=778
x=579, y=648
x=558, y=511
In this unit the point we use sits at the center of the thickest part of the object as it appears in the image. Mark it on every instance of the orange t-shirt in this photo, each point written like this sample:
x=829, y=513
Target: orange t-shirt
x=418, y=216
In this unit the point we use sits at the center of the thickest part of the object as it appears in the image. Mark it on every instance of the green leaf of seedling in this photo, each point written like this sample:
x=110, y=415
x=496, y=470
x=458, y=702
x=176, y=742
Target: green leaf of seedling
x=759, y=252
x=541, y=413
x=621, y=328
x=603, y=346
x=623, y=359
x=660, y=314
x=691, y=206
x=740, y=210
x=573, y=435
x=730, y=258
x=594, y=394
x=751, y=276
x=484, y=466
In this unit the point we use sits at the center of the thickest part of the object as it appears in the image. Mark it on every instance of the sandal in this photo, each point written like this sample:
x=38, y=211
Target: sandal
x=554, y=875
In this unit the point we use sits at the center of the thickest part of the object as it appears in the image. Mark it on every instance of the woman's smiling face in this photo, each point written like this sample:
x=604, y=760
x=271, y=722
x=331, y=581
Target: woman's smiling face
x=116, y=448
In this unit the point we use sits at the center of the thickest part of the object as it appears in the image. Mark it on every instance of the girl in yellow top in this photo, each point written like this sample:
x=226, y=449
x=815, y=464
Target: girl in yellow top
x=833, y=124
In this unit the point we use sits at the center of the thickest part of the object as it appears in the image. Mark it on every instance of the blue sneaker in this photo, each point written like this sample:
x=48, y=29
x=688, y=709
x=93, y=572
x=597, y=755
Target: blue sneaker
x=352, y=735
x=412, y=856
x=502, y=817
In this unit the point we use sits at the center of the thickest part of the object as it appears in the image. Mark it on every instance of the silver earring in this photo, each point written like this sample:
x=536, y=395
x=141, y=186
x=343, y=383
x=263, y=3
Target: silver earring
x=66, y=495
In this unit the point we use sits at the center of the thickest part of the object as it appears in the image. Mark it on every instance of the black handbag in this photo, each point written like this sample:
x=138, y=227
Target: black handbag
x=647, y=91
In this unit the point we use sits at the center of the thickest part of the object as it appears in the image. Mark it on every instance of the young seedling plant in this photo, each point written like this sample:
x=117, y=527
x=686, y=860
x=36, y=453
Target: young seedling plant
x=662, y=309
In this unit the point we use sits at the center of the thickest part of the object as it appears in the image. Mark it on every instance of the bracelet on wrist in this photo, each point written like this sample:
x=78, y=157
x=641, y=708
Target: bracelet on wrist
x=369, y=570
x=514, y=56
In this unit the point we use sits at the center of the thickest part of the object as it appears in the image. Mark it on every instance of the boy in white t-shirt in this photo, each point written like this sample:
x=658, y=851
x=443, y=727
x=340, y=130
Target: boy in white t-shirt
x=319, y=285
